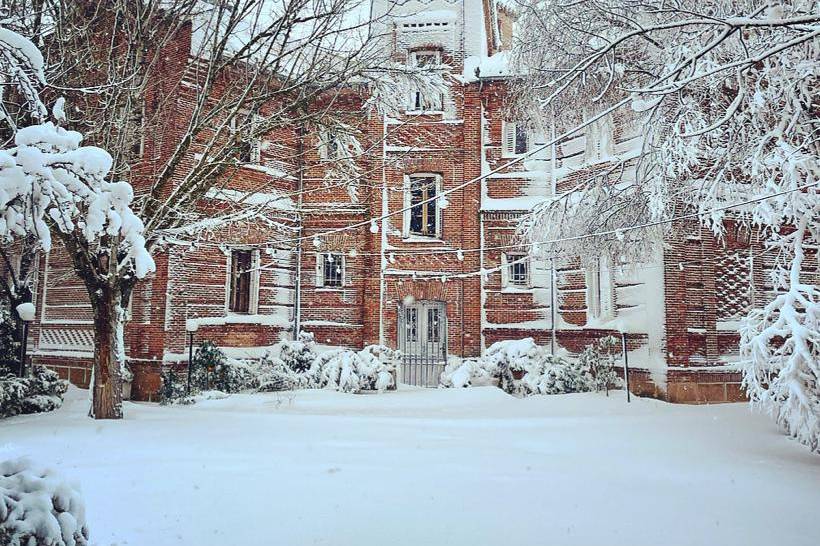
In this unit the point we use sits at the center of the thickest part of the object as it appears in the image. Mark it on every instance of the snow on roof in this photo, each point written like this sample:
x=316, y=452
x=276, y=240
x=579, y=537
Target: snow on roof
x=496, y=66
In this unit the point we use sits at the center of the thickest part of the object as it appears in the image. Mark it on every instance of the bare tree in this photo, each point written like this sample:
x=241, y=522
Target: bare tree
x=229, y=72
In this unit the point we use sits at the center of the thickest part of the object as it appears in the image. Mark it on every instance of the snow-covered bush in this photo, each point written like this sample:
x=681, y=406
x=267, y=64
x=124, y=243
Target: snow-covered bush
x=8, y=345
x=505, y=361
x=38, y=507
x=557, y=375
x=274, y=375
x=298, y=355
x=372, y=368
x=42, y=391
x=470, y=372
x=599, y=358
x=173, y=389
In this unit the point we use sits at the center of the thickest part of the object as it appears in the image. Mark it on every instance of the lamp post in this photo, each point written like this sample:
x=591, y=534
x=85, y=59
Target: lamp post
x=626, y=364
x=191, y=326
x=26, y=313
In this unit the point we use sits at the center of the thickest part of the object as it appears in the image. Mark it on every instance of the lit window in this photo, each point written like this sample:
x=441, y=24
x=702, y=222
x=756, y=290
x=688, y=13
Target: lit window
x=517, y=269
x=515, y=138
x=330, y=270
x=424, y=215
x=243, y=281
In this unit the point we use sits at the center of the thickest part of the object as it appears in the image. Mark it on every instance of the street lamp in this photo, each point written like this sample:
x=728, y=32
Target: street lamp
x=26, y=313
x=191, y=326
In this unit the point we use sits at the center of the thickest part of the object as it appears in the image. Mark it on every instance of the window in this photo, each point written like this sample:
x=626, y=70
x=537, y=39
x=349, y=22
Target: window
x=422, y=100
x=330, y=146
x=330, y=270
x=423, y=217
x=249, y=145
x=598, y=141
x=600, y=293
x=515, y=138
x=243, y=281
x=434, y=324
x=515, y=270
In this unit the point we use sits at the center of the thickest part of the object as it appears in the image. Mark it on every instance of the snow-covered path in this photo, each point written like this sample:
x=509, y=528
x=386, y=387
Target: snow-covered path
x=420, y=467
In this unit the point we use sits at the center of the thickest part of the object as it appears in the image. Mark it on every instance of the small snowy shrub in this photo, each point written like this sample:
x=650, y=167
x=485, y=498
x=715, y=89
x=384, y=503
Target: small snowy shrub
x=8, y=345
x=173, y=388
x=372, y=368
x=275, y=375
x=42, y=391
x=556, y=375
x=207, y=359
x=299, y=355
x=470, y=372
x=599, y=358
x=504, y=361
x=38, y=507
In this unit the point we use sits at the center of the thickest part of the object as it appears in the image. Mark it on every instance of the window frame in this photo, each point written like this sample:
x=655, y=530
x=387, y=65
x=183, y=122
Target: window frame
x=510, y=260
x=408, y=200
x=253, y=281
x=254, y=143
x=600, y=291
x=599, y=139
x=321, y=271
x=415, y=100
x=509, y=138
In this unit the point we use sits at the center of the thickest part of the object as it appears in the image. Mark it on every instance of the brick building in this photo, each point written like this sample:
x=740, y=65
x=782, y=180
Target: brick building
x=436, y=277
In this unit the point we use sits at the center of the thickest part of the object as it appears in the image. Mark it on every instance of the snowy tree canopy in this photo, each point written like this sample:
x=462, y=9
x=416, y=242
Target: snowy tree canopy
x=726, y=95
x=49, y=180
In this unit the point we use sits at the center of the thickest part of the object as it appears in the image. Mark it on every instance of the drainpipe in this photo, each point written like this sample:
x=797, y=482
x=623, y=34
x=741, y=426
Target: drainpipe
x=483, y=298
x=297, y=285
x=383, y=234
x=554, y=188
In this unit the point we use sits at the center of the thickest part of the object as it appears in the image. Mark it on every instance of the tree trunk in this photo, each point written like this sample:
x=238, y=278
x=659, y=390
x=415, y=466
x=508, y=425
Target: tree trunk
x=107, y=397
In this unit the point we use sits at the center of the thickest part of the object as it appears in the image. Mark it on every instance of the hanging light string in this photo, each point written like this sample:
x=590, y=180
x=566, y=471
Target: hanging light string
x=615, y=232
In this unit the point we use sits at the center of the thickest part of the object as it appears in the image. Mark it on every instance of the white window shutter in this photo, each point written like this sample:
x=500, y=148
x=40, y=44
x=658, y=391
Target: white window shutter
x=320, y=270
x=344, y=269
x=607, y=290
x=322, y=144
x=505, y=270
x=405, y=224
x=508, y=136
x=253, y=305
x=256, y=143
x=593, y=293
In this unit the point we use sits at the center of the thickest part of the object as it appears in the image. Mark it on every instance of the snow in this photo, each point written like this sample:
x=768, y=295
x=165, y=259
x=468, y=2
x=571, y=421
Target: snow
x=26, y=311
x=494, y=66
x=421, y=466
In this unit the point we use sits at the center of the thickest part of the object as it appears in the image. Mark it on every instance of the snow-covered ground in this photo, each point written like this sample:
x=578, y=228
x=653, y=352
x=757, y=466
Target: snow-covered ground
x=419, y=467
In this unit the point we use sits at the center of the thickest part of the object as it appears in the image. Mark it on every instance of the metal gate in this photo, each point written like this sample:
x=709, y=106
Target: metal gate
x=423, y=342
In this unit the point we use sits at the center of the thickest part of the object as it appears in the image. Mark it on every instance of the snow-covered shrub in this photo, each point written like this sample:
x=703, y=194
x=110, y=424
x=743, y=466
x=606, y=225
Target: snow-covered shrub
x=557, y=375
x=38, y=507
x=372, y=368
x=275, y=375
x=298, y=355
x=207, y=358
x=42, y=391
x=8, y=345
x=173, y=388
x=470, y=372
x=505, y=361
x=599, y=358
